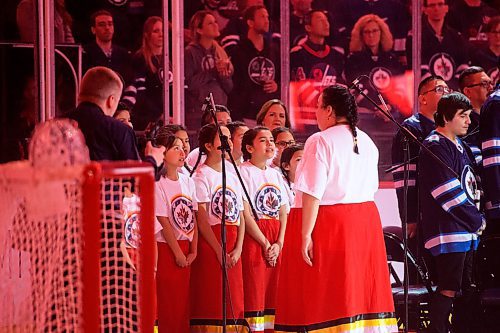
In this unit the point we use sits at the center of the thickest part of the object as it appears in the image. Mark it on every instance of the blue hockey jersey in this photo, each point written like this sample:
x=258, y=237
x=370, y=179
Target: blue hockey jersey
x=450, y=220
x=420, y=126
x=490, y=148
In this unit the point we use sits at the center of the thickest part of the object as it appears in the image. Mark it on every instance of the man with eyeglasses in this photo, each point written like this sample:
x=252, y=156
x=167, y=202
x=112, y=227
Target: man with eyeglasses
x=444, y=51
x=490, y=148
x=421, y=124
x=488, y=55
x=102, y=51
x=476, y=85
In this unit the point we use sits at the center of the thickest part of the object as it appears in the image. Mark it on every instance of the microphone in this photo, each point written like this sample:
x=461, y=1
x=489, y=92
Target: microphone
x=206, y=104
x=354, y=84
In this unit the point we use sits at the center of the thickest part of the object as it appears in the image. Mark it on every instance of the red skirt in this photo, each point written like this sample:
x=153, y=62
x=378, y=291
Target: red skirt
x=172, y=290
x=206, y=288
x=347, y=289
x=260, y=279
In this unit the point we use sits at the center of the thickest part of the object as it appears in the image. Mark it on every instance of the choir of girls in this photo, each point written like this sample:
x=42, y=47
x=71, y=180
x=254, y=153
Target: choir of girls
x=270, y=279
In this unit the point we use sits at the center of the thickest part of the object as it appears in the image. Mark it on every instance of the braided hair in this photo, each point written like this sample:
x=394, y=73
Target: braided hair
x=344, y=105
x=206, y=135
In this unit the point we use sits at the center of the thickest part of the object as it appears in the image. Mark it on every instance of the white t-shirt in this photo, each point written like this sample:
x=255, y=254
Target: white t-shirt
x=175, y=199
x=265, y=188
x=291, y=194
x=333, y=173
x=193, y=157
x=209, y=190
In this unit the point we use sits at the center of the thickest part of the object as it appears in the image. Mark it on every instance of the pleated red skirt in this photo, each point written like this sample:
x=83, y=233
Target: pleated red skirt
x=206, y=288
x=347, y=289
x=260, y=280
x=172, y=290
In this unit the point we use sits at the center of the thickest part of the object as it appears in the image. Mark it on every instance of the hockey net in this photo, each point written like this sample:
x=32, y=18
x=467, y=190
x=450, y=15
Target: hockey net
x=76, y=248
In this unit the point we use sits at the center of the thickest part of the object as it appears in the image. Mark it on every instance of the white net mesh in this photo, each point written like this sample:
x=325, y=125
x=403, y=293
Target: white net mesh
x=46, y=276
x=40, y=251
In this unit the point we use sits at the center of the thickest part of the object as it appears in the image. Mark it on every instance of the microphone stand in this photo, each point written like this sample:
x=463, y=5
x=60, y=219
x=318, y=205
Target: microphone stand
x=408, y=136
x=225, y=148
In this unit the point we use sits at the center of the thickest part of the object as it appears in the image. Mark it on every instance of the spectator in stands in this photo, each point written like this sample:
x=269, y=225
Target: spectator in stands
x=273, y=114
x=314, y=59
x=477, y=86
x=345, y=13
x=102, y=51
x=470, y=17
x=26, y=22
x=207, y=67
x=223, y=11
x=299, y=10
x=487, y=56
x=444, y=51
x=122, y=114
x=371, y=54
x=256, y=67
x=237, y=28
x=144, y=94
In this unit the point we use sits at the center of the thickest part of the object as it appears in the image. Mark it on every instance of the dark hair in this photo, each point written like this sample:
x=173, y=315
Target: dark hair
x=309, y=15
x=248, y=138
x=101, y=12
x=286, y=157
x=492, y=23
x=249, y=13
x=165, y=139
x=425, y=2
x=206, y=117
x=265, y=108
x=206, y=135
x=448, y=106
x=120, y=110
x=174, y=128
x=344, y=105
x=278, y=130
x=426, y=81
x=234, y=125
x=464, y=78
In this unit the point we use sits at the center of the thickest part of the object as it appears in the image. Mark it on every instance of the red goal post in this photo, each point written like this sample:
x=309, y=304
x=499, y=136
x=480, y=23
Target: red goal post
x=78, y=244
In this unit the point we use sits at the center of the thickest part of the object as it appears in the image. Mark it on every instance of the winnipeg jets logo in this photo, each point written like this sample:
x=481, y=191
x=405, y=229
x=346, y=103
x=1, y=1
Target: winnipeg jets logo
x=381, y=77
x=132, y=230
x=261, y=70
x=232, y=211
x=469, y=183
x=182, y=214
x=268, y=200
x=442, y=64
x=208, y=62
x=324, y=75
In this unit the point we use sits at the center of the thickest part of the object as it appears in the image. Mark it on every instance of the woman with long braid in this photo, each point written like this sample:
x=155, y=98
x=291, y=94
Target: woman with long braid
x=334, y=274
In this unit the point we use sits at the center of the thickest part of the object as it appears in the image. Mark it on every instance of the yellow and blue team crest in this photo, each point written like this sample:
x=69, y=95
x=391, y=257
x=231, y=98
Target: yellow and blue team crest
x=268, y=200
x=132, y=223
x=232, y=210
x=182, y=214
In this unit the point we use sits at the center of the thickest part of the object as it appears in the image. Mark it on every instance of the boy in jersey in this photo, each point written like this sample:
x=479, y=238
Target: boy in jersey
x=450, y=218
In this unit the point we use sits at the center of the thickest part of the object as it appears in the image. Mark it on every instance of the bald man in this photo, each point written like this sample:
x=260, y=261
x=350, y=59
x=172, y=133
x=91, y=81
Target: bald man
x=106, y=137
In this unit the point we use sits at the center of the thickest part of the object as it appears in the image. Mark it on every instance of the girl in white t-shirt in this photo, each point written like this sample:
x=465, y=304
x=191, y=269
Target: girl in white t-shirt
x=264, y=236
x=206, y=282
x=283, y=138
x=181, y=133
x=177, y=238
